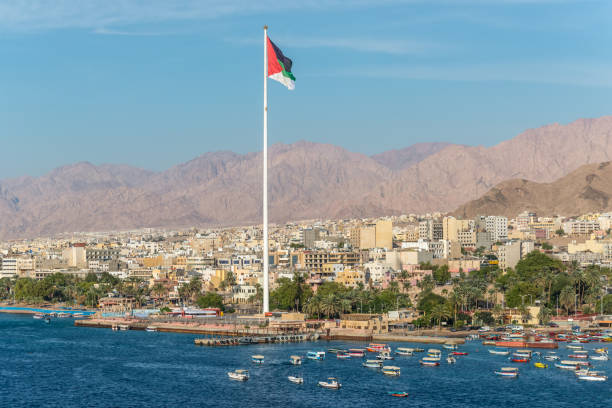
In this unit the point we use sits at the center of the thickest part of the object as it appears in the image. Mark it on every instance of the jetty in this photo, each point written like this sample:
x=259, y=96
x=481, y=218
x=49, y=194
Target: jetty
x=243, y=341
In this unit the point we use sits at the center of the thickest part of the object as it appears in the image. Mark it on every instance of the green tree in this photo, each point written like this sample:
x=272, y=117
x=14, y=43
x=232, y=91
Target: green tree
x=211, y=299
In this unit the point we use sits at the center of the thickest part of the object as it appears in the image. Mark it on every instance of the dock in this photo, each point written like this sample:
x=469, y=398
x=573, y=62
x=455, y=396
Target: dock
x=242, y=341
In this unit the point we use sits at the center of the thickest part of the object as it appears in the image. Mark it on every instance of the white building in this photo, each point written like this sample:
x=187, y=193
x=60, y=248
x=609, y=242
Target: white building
x=497, y=226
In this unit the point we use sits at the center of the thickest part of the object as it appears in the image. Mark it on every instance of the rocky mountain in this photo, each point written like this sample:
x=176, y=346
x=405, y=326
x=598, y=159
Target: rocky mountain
x=586, y=189
x=306, y=180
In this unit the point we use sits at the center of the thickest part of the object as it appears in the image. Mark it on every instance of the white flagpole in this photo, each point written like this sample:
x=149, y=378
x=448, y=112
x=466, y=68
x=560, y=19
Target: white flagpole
x=266, y=295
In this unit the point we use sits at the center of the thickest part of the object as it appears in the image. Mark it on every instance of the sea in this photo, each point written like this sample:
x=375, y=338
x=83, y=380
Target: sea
x=60, y=365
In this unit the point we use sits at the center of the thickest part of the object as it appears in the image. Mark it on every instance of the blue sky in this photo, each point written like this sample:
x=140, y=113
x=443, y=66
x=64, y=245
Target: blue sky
x=155, y=83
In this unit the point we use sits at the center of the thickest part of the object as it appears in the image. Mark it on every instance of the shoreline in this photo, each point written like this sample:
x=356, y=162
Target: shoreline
x=19, y=308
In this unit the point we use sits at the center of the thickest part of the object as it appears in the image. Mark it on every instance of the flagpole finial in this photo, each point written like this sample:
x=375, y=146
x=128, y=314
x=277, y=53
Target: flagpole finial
x=265, y=27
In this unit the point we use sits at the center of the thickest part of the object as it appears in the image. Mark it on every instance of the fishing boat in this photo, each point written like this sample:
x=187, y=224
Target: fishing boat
x=296, y=380
x=391, y=370
x=124, y=327
x=401, y=351
x=523, y=353
x=240, y=375
x=431, y=358
x=295, y=360
x=399, y=394
x=459, y=353
x=343, y=355
x=488, y=343
x=540, y=365
x=418, y=350
x=372, y=364
x=151, y=329
x=426, y=363
x=331, y=383
x=500, y=352
x=377, y=347
x=434, y=353
x=384, y=355
x=450, y=346
x=577, y=363
x=257, y=359
x=356, y=352
x=578, y=356
x=316, y=355
x=508, y=372
x=566, y=366
x=603, y=350
x=451, y=360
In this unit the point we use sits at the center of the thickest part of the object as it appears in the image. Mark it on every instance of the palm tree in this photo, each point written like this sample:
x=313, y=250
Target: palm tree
x=329, y=305
x=159, y=290
x=440, y=312
x=313, y=307
x=567, y=298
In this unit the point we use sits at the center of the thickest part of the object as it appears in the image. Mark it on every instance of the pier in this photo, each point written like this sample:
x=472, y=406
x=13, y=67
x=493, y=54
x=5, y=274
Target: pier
x=243, y=341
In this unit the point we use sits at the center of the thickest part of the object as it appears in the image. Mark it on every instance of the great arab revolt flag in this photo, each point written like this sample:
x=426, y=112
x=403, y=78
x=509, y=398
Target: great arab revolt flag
x=279, y=66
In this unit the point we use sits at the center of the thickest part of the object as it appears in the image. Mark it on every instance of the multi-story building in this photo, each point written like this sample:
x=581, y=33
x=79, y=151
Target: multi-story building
x=384, y=234
x=498, y=227
x=580, y=227
x=509, y=254
x=9, y=268
x=314, y=260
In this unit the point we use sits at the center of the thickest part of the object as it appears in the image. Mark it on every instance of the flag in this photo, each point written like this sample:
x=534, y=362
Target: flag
x=279, y=66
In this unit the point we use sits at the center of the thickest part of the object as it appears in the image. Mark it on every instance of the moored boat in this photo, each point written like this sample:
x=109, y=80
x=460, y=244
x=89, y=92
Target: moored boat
x=316, y=355
x=498, y=352
x=401, y=351
x=296, y=380
x=384, y=355
x=377, y=347
x=372, y=363
x=508, y=372
x=576, y=362
x=295, y=360
x=426, y=363
x=356, y=352
x=391, y=370
x=600, y=357
x=331, y=383
x=342, y=355
x=588, y=375
x=240, y=375
x=450, y=346
x=38, y=316
x=257, y=359
x=400, y=394
x=566, y=366
x=459, y=353
x=151, y=329
x=451, y=360
x=540, y=365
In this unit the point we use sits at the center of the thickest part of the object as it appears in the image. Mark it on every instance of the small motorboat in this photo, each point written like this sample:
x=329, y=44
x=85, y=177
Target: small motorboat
x=399, y=394
x=295, y=360
x=257, y=359
x=418, y=350
x=401, y=351
x=296, y=380
x=316, y=355
x=434, y=353
x=451, y=360
x=331, y=383
x=426, y=363
x=500, y=352
x=377, y=348
x=356, y=352
x=151, y=329
x=551, y=357
x=450, y=346
x=239, y=375
x=38, y=316
x=519, y=360
x=566, y=366
x=574, y=347
x=372, y=363
x=459, y=353
x=391, y=370
x=578, y=356
x=335, y=351
x=540, y=365
x=384, y=355
x=508, y=372
x=600, y=357
x=592, y=376
x=578, y=363
x=342, y=355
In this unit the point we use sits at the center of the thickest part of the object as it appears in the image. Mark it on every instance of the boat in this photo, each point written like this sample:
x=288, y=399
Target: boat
x=331, y=383
x=38, y=316
x=372, y=363
x=342, y=355
x=257, y=359
x=429, y=363
x=384, y=355
x=574, y=347
x=603, y=350
x=295, y=360
x=451, y=360
x=240, y=375
x=391, y=370
x=316, y=355
x=335, y=351
x=577, y=356
x=47, y=320
x=356, y=352
x=519, y=360
x=296, y=380
x=431, y=358
x=500, y=352
x=508, y=372
x=377, y=348
x=489, y=343
x=592, y=376
x=578, y=363
x=566, y=366
x=400, y=394
x=401, y=351
x=124, y=327
x=540, y=365
x=434, y=353
x=418, y=350
x=459, y=353
x=600, y=357
x=151, y=329
x=63, y=315
x=450, y=346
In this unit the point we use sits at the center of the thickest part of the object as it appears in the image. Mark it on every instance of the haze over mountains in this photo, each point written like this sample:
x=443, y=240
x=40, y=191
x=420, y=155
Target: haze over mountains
x=306, y=180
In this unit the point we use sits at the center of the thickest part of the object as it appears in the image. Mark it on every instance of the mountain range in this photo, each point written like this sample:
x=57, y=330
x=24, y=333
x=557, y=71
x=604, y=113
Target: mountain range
x=306, y=180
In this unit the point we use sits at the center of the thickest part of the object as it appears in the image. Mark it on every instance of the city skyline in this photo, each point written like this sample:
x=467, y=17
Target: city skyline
x=125, y=84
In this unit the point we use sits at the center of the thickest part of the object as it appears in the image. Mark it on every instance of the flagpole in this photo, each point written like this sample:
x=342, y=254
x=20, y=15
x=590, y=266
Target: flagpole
x=266, y=295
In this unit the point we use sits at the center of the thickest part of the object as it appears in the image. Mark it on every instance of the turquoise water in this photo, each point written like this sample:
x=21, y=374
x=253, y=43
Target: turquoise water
x=33, y=309
x=60, y=365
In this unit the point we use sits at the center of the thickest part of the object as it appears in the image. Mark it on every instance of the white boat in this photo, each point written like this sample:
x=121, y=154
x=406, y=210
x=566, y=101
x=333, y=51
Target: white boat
x=551, y=358
x=356, y=352
x=151, y=329
x=331, y=383
x=372, y=363
x=509, y=372
x=576, y=362
x=296, y=380
x=600, y=357
x=451, y=360
x=426, y=363
x=499, y=352
x=316, y=355
x=124, y=327
x=391, y=370
x=401, y=351
x=566, y=366
x=257, y=359
x=574, y=347
x=295, y=360
x=450, y=346
x=591, y=376
x=384, y=355
x=431, y=359
x=38, y=316
x=240, y=375
x=434, y=353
